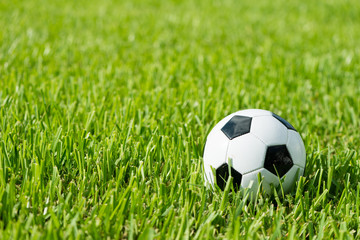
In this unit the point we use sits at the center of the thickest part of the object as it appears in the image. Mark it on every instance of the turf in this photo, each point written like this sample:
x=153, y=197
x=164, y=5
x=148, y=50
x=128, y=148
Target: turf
x=105, y=107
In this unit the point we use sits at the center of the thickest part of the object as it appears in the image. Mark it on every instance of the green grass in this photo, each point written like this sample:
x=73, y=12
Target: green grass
x=105, y=107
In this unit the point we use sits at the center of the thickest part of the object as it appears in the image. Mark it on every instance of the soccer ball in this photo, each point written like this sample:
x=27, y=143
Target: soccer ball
x=252, y=145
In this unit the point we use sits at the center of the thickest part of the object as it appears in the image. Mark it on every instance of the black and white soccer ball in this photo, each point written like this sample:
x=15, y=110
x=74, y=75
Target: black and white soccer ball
x=252, y=143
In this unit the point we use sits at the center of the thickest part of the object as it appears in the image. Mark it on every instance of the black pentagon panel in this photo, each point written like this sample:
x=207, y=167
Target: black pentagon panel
x=278, y=160
x=222, y=175
x=237, y=126
x=283, y=121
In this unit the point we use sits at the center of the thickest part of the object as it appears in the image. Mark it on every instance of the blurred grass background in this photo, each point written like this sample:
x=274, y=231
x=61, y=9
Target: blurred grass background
x=105, y=107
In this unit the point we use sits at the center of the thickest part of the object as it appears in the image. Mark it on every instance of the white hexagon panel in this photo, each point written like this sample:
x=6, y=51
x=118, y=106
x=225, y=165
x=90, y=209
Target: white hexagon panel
x=251, y=180
x=253, y=113
x=296, y=148
x=246, y=153
x=215, y=153
x=270, y=130
x=291, y=177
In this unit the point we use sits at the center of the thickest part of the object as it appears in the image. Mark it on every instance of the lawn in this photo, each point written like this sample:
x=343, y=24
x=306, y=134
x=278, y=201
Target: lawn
x=105, y=107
